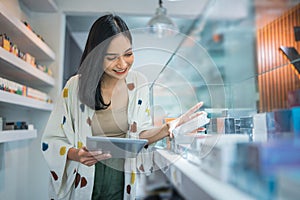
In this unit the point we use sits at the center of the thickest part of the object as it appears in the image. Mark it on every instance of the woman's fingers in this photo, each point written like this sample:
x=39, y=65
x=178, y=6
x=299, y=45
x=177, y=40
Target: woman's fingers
x=187, y=116
x=201, y=129
x=193, y=109
x=102, y=156
x=190, y=114
x=89, y=161
x=89, y=158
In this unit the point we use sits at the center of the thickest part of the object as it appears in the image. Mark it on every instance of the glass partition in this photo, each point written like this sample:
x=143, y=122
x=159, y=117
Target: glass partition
x=214, y=63
x=233, y=64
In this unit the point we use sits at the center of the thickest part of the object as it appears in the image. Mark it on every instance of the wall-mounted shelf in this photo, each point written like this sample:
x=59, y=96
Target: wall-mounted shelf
x=41, y=5
x=25, y=39
x=23, y=101
x=191, y=182
x=14, y=135
x=16, y=69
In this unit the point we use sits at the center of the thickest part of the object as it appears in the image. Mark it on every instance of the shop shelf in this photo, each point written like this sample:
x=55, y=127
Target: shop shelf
x=26, y=40
x=14, y=135
x=191, y=182
x=16, y=69
x=15, y=99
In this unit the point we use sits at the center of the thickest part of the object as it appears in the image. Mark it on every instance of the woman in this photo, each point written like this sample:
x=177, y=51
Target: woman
x=104, y=98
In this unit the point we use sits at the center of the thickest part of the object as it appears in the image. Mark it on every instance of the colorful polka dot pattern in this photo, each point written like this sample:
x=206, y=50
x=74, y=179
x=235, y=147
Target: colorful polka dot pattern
x=81, y=180
x=77, y=180
x=128, y=189
x=142, y=168
x=65, y=92
x=64, y=120
x=44, y=146
x=89, y=121
x=148, y=111
x=151, y=169
x=82, y=107
x=79, y=144
x=133, y=127
x=140, y=102
x=62, y=150
x=132, y=181
x=54, y=175
x=130, y=86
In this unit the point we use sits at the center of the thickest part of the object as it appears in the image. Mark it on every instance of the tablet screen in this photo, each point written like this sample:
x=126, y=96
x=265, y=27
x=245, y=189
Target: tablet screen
x=117, y=147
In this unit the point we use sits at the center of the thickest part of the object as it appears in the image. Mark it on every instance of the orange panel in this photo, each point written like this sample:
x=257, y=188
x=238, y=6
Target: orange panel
x=276, y=78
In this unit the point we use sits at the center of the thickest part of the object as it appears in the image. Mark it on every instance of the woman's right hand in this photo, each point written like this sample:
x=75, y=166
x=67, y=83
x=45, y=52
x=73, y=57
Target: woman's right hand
x=86, y=157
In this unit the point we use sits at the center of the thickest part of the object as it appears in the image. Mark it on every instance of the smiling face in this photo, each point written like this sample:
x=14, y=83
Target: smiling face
x=118, y=58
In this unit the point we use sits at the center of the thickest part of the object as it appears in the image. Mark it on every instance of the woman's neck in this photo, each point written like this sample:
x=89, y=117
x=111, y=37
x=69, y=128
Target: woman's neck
x=109, y=83
x=114, y=91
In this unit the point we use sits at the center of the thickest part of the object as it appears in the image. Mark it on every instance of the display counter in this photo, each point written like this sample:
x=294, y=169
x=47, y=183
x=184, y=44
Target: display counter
x=191, y=182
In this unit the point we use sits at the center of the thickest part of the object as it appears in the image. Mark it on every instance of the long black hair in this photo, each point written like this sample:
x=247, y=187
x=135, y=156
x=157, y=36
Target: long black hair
x=91, y=65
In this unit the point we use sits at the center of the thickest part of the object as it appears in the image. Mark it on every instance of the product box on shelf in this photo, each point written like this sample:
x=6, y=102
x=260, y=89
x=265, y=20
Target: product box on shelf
x=257, y=164
x=220, y=154
x=185, y=133
x=260, y=130
x=246, y=122
x=19, y=89
x=11, y=86
x=272, y=125
x=296, y=121
x=4, y=42
x=27, y=57
x=279, y=124
x=226, y=125
x=18, y=125
x=246, y=126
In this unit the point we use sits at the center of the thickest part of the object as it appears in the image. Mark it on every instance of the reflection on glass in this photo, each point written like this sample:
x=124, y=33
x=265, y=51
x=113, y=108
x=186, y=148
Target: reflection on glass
x=228, y=60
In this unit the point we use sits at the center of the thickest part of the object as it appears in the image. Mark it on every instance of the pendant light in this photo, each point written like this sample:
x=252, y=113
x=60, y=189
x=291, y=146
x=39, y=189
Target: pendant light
x=160, y=23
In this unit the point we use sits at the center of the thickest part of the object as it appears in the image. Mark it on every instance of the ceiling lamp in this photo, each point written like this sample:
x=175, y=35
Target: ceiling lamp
x=160, y=23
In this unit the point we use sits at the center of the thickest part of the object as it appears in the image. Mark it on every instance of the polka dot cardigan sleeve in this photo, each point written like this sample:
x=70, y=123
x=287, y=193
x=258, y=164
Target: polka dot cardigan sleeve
x=57, y=139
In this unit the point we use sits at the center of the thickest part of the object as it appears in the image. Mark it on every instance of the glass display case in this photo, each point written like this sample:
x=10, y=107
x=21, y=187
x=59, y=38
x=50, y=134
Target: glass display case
x=235, y=65
x=213, y=62
x=246, y=71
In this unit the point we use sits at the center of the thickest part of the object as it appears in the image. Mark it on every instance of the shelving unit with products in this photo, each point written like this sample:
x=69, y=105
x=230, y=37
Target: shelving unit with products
x=15, y=69
x=18, y=100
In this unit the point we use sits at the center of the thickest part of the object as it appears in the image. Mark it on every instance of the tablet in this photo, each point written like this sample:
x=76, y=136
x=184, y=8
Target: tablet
x=117, y=147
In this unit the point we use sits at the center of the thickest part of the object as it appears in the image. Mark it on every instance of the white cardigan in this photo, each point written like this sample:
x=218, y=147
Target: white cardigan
x=68, y=126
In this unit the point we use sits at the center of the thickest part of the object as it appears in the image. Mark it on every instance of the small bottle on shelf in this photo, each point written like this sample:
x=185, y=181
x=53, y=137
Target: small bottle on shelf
x=4, y=42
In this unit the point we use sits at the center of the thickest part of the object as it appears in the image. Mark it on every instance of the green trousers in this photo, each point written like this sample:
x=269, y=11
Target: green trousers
x=109, y=180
